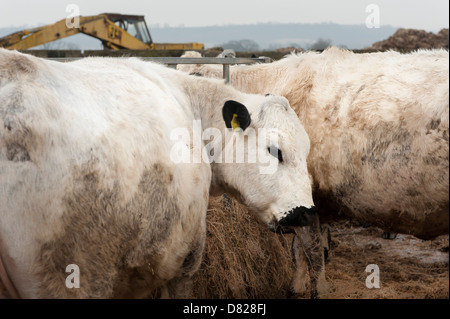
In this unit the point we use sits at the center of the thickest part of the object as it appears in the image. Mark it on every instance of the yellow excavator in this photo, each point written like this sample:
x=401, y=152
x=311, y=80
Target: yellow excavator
x=116, y=31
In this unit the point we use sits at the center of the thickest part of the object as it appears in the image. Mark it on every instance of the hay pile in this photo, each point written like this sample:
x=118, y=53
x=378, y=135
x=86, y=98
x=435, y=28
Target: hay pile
x=242, y=259
x=411, y=39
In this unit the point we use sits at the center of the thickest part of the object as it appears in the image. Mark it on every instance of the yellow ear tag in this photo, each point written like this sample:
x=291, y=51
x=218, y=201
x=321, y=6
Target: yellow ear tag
x=235, y=123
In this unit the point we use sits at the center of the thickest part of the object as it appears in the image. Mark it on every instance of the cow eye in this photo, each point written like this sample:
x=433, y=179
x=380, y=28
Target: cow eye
x=276, y=151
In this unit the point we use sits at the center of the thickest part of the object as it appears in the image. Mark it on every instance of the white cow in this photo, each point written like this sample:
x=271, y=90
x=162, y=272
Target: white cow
x=94, y=190
x=379, y=130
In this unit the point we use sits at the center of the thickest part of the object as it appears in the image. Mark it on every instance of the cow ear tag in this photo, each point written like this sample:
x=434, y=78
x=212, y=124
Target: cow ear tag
x=235, y=123
x=236, y=116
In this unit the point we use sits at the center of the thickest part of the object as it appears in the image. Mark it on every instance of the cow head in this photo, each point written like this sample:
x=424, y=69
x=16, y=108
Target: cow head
x=269, y=174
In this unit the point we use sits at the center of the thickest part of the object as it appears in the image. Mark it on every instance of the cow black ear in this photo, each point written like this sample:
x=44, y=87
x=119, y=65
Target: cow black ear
x=235, y=115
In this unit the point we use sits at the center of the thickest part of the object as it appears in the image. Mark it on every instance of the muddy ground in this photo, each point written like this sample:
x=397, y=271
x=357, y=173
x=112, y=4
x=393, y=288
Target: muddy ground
x=409, y=267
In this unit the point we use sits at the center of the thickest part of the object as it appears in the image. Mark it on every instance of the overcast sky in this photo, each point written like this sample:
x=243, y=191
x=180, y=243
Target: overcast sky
x=431, y=15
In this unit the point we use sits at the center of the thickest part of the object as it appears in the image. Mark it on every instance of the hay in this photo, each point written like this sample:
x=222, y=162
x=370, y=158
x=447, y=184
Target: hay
x=242, y=259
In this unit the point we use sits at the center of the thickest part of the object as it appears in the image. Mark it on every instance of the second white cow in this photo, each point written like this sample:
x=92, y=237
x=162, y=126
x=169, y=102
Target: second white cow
x=379, y=130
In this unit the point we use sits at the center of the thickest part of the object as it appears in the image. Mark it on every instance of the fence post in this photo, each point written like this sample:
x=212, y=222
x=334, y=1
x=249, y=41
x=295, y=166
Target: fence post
x=226, y=73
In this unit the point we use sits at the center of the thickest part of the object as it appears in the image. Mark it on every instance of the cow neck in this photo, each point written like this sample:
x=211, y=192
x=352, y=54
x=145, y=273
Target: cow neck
x=207, y=98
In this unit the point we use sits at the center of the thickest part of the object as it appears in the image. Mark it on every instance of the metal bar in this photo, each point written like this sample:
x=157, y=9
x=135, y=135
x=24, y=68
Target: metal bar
x=172, y=60
x=226, y=73
x=63, y=59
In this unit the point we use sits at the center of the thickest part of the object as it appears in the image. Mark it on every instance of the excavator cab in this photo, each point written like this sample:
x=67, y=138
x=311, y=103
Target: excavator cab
x=134, y=25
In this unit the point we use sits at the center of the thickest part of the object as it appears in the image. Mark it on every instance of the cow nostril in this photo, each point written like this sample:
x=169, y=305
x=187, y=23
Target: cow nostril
x=299, y=216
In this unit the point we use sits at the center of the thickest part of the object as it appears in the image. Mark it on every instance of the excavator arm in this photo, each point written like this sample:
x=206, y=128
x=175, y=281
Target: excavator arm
x=102, y=27
x=26, y=39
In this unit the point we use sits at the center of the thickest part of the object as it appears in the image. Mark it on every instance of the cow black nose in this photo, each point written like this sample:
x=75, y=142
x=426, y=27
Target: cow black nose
x=299, y=216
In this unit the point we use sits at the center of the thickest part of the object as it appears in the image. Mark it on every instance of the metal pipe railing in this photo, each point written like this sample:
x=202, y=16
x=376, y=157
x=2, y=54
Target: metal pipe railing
x=173, y=61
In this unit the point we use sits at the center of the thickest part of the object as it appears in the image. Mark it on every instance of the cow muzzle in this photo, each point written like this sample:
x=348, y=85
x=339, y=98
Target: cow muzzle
x=299, y=216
